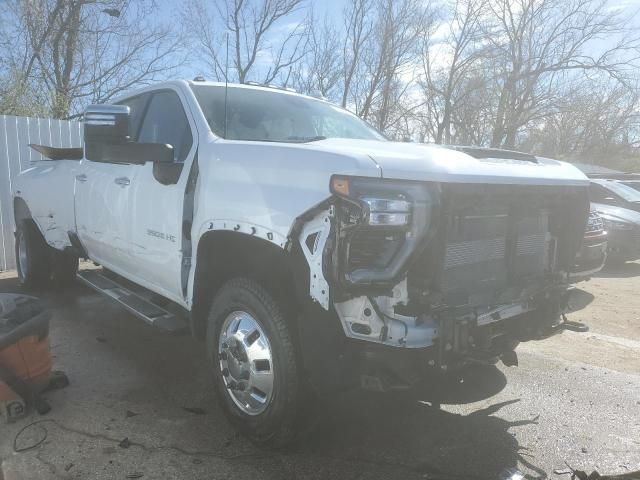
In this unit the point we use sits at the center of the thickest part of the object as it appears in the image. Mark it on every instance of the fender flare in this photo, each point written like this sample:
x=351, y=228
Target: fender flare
x=21, y=210
x=201, y=262
x=252, y=229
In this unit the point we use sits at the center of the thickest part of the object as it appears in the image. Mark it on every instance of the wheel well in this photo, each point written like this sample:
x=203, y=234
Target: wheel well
x=20, y=210
x=223, y=255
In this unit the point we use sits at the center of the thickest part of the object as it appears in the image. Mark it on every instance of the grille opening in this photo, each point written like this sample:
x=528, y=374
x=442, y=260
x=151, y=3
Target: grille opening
x=495, y=240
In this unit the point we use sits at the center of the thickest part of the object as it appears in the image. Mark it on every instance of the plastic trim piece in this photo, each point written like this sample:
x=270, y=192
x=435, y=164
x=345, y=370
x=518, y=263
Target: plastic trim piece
x=318, y=230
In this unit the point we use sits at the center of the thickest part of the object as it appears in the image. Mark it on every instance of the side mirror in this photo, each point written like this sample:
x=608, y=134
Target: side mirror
x=104, y=125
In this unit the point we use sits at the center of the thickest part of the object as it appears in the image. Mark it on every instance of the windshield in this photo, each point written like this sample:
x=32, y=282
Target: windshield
x=635, y=185
x=627, y=193
x=259, y=115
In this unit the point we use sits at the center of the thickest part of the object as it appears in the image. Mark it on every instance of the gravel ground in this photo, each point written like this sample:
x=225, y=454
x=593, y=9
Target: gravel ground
x=574, y=398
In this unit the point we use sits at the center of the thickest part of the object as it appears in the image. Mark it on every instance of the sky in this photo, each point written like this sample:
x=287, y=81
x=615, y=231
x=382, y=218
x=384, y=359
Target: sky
x=332, y=10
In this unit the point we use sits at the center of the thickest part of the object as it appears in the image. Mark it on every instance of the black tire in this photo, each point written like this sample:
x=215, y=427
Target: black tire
x=32, y=256
x=64, y=266
x=276, y=426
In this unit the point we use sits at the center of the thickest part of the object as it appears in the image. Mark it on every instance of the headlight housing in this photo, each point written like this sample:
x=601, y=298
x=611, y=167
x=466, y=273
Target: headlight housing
x=387, y=211
x=380, y=224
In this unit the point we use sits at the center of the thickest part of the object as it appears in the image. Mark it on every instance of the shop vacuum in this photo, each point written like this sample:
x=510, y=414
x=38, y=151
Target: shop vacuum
x=25, y=358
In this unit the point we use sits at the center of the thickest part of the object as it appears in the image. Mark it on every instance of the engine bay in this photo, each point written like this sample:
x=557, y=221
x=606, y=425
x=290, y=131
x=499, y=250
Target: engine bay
x=459, y=267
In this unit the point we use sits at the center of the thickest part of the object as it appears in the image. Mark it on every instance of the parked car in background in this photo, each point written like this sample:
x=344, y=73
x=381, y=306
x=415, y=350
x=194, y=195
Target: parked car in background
x=633, y=183
x=623, y=232
x=615, y=193
x=593, y=254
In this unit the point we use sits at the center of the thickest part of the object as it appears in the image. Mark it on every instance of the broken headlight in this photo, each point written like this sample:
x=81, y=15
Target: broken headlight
x=380, y=225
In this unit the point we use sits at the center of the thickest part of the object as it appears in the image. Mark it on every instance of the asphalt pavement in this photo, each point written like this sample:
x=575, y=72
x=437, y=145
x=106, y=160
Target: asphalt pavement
x=140, y=405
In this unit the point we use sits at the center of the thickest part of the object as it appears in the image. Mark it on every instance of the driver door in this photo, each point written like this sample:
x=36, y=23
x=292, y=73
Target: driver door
x=157, y=193
x=102, y=203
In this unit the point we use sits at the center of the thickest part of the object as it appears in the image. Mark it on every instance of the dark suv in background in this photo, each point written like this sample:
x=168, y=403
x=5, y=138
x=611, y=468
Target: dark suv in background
x=593, y=254
x=619, y=206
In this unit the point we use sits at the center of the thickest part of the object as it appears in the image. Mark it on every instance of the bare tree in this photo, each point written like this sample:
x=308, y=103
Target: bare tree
x=257, y=30
x=472, y=115
x=358, y=24
x=84, y=51
x=448, y=63
x=388, y=59
x=594, y=119
x=320, y=71
x=18, y=98
x=538, y=43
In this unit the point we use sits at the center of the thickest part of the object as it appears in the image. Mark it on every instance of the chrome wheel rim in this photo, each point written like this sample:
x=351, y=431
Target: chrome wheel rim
x=22, y=255
x=246, y=362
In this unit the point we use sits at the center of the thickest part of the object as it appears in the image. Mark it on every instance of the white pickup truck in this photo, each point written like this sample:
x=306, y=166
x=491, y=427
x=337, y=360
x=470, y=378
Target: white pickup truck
x=306, y=250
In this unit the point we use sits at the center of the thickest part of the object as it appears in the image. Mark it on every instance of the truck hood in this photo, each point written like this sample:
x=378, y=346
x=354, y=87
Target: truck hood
x=416, y=161
x=617, y=213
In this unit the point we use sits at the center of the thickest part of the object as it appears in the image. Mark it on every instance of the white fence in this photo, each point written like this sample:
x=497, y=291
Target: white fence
x=16, y=133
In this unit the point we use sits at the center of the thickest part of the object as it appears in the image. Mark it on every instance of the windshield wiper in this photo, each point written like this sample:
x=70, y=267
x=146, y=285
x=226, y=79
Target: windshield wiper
x=306, y=139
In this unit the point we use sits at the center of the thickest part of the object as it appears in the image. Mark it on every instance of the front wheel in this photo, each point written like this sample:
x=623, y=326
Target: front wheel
x=252, y=357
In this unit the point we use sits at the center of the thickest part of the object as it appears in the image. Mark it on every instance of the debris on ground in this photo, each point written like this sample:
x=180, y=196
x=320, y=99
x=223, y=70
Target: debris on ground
x=582, y=475
x=195, y=410
x=562, y=471
x=125, y=443
x=34, y=439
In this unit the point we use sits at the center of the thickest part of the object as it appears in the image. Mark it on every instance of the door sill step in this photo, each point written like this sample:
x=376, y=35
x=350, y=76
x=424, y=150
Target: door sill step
x=133, y=301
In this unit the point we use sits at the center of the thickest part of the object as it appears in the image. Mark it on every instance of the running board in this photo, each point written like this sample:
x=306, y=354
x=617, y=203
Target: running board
x=134, y=302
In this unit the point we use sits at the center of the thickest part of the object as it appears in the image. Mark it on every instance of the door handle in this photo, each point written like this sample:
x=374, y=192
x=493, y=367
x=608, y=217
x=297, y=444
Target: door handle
x=81, y=178
x=122, y=181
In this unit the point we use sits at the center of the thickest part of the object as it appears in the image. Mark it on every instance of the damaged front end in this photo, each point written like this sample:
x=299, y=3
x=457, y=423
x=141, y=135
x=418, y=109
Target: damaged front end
x=461, y=272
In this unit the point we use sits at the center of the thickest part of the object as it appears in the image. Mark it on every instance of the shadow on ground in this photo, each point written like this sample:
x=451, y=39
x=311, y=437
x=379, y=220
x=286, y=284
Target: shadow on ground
x=398, y=439
x=580, y=299
x=619, y=270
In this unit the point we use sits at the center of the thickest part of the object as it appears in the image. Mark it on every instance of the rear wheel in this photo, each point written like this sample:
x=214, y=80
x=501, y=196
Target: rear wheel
x=32, y=256
x=252, y=357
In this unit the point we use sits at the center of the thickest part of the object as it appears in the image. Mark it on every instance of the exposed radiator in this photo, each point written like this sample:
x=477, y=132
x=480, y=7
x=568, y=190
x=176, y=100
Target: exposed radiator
x=489, y=247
